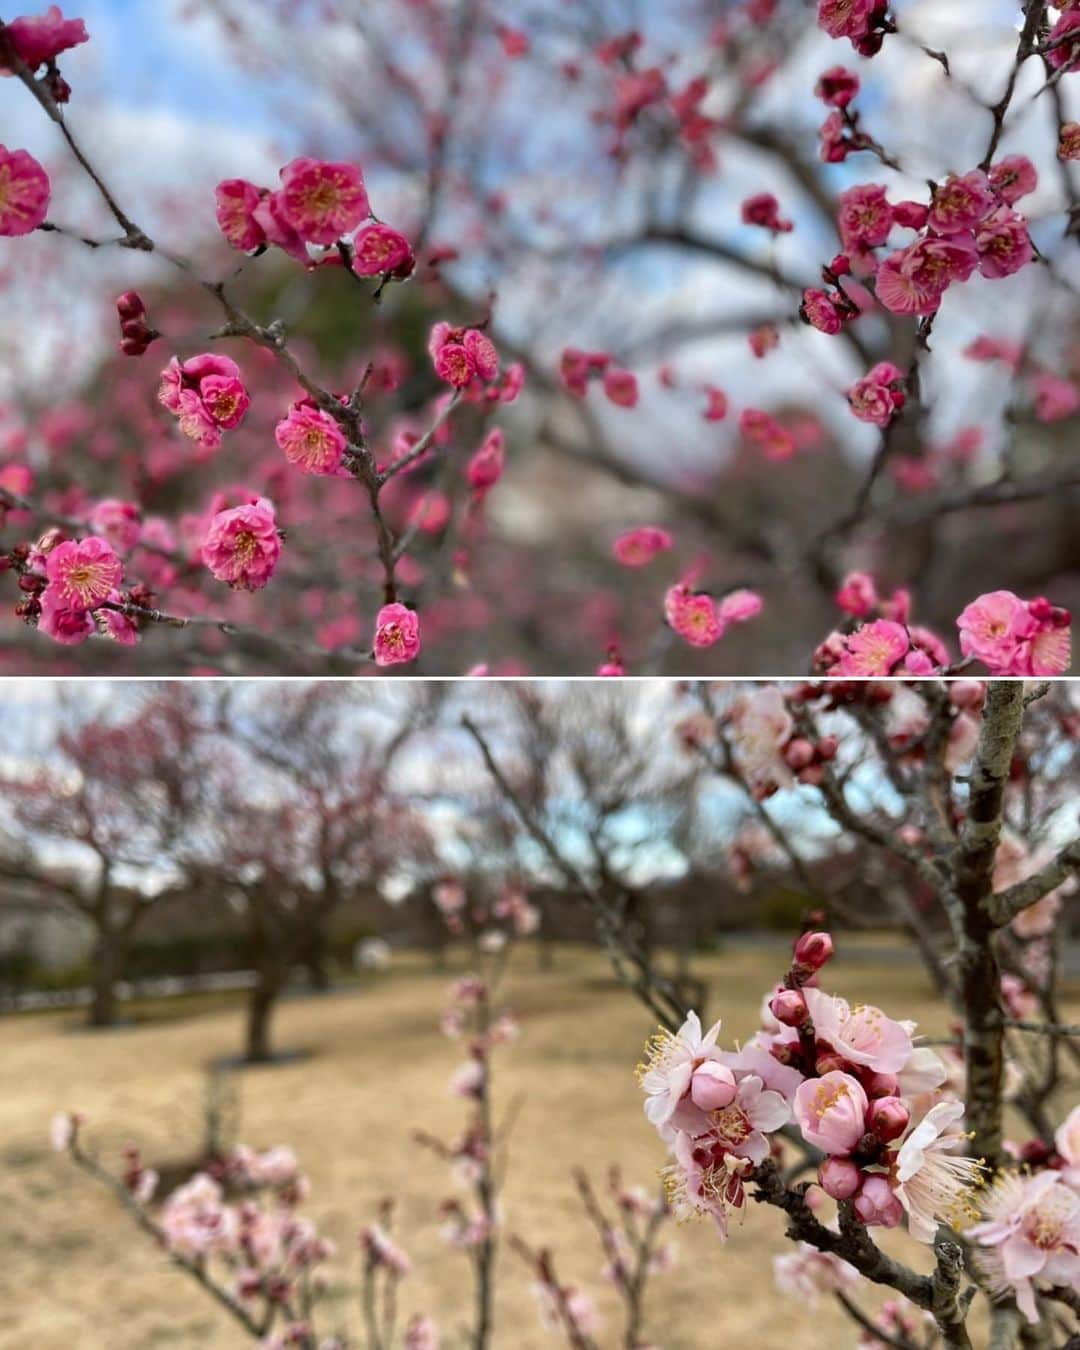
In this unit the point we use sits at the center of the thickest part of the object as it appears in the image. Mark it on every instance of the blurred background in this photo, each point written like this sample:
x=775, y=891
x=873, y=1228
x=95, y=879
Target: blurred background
x=224, y=919
x=557, y=168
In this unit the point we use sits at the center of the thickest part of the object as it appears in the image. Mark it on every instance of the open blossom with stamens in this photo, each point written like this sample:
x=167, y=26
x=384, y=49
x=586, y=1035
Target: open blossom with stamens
x=1013, y=177
x=933, y=1182
x=878, y=396
x=379, y=249
x=1030, y=1233
x=322, y=200
x=206, y=394
x=242, y=545
x=864, y=218
x=863, y=1034
x=24, y=193
x=846, y=18
x=742, y=1125
x=876, y=648
x=670, y=1064
x=83, y=572
x=1011, y=636
x=693, y=615
x=397, y=635
x=959, y=204
x=1003, y=244
x=311, y=439
x=461, y=355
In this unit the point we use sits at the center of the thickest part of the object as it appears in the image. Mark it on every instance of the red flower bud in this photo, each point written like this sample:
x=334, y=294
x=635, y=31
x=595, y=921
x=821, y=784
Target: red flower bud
x=812, y=950
x=888, y=1118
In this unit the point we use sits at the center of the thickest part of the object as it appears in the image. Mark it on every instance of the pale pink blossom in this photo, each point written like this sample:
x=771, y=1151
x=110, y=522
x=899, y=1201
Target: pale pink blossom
x=311, y=439
x=874, y=648
x=862, y=1034
x=830, y=1111
x=933, y=1182
x=762, y=725
x=670, y=1062
x=1030, y=1233
x=805, y=1274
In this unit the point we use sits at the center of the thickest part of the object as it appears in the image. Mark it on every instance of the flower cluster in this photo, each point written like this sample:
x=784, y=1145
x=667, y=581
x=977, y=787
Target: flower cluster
x=206, y=395
x=136, y=335
x=71, y=589
x=319, y=202
x=850, y=1079
x=699, y=619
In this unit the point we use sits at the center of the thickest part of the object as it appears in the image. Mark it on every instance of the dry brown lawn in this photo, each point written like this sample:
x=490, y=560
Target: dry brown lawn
x=76, y=1275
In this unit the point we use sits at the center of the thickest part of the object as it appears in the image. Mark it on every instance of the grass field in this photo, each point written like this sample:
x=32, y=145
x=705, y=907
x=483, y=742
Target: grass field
x=77, y=1276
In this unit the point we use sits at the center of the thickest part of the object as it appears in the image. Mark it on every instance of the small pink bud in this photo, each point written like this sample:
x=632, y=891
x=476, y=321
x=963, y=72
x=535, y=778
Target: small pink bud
x=812, y=950
x=130, y=305
x=876, y=1205
x=888, y=1118
x=967, y=694
x=839, y=1177
x=799, y=752
x=827, y=747
x=880, y=1085
x=812, y=775
x=840, y=265
x=788, y=1007
x=713, y=1086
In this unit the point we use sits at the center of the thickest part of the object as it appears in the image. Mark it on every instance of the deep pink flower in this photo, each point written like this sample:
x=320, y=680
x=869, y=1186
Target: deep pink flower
x=43, y=37
x=845, y=18
x=62, y=622
x=397, y=635
x=638, y=547
x=322, y=200
x=765, y=431
x=462, y=354
x=879, y=396
x=819, y=311
x=837, y=86
x=379, y=249
x=225, y=399
x=764, y=210
x=858, y=595
x=237, y=201
x=117, y=521
x=716, y=405
x=1068, y=53
x=311, y=439
x=242, y=545
x=693, y=616
x=1003, y=243
x=959, y=204
x=830, y=1112
x=486, y=467
x=621, y=387
x=1013, y=177
x=206, y=394
x=875, y=648
x=83, y=572
x=24, y=193
x=864, y=218
x=992, y=628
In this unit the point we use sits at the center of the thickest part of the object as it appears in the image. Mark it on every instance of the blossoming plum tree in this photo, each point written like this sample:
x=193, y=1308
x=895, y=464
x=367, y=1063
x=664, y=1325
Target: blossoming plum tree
x=371, y=525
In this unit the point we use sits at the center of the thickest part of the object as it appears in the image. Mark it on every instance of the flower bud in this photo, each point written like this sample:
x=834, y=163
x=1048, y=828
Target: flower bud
x=788, y=1007
x=812, y=950
x=880, y=1084
x=876, y=1205
x=130, y=306
x=839, y=1177
x=827, y=747
x=798, y=752
x=888, y=1118
x=712, y=1086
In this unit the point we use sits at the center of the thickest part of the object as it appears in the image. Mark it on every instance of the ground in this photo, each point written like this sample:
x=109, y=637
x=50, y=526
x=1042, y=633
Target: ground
x=77, y=1275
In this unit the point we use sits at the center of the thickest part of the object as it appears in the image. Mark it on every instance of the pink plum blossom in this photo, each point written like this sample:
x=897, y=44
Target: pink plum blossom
x=638, y=547
x=242, y=545
x=24, y=193
x=830, y=1111
x=43, y=37
x=862, y=1034
x=311, y=438
x=322, y=200
x=397, y=635
x=933, y=1182
x=82, y=573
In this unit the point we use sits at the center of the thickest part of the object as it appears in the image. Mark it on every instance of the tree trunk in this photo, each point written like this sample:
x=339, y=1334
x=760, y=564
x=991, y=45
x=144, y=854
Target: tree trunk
x=260, y=1011
x=107, y=966
x=317, y=961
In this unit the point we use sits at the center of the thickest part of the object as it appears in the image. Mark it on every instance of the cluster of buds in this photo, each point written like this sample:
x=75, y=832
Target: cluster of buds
x=807, y=758
x=829, y=310
x=136, y=335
